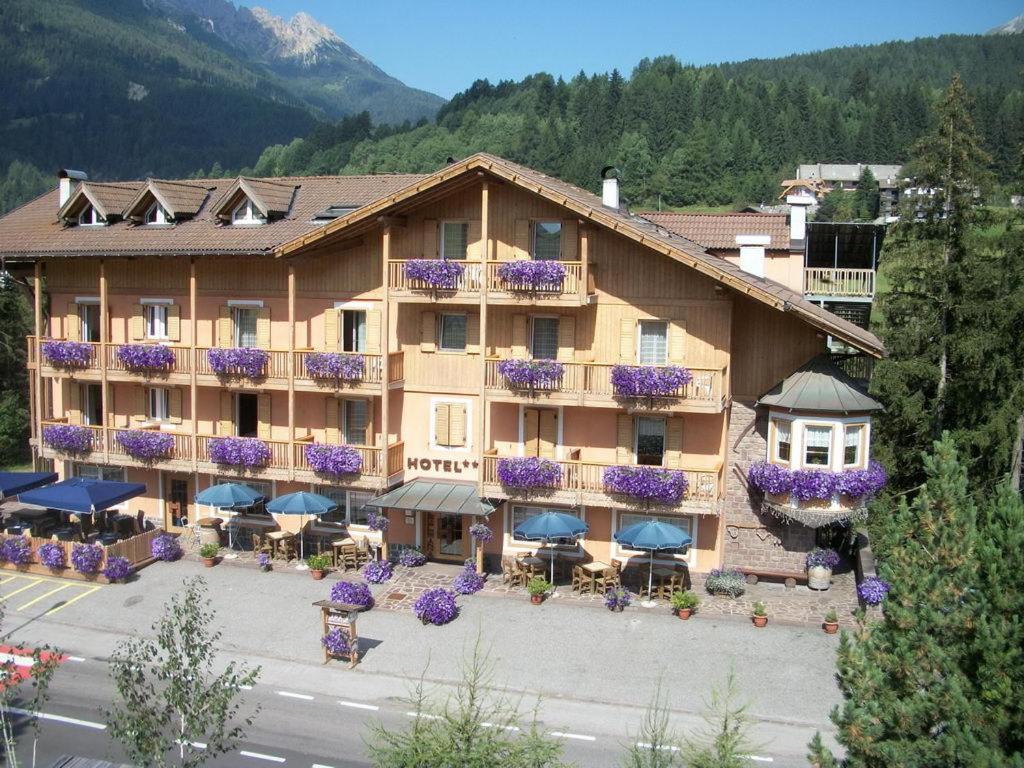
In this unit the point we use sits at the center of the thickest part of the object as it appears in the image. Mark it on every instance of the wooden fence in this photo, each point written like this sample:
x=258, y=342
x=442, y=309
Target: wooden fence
x=136, y=549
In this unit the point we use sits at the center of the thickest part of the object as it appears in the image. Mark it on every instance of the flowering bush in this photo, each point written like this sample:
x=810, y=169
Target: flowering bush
x=336, y=642
x=334, y=365
x=145, y=444
x=722, y=581
x=649, y=380
x=531, y=374
x=873, y=590
x=663, y=486
x=436, y=606
x=165, y=547
x=16, y=550
x=52, y=555
x=86, y=558
x=813, y=484
x=352, y=592
x=412, y=558
x=822, y=558
x=481, y=532
x=333, y=459
x=247, y=361
x=617, y=598
x=263, y=560
x=468, y=581
x=862, y=483
x=145, y=357
x=437, y=273
x=378, y=571
x=377, y=521
x=239, y=451
x=118, y=568
x=67, y=354
x=527, y=274
x=69, y=438
x=529, y=472
x=771, y=478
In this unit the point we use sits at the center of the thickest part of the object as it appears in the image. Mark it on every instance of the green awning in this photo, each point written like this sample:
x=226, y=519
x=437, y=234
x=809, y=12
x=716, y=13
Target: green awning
x=442, y=496
x=819, y=386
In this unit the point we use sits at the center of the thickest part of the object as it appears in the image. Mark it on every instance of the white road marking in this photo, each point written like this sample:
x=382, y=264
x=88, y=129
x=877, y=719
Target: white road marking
x=579, y=736
x=245, y=687
x=506, y=727
x=357, y=705
x=18, y=659
x=261, y=756
x=665, y=747
x=319, y=765
x=290, y=695
x=75, y=658
x=760, y=759
x=423, y=715
x=59, y=718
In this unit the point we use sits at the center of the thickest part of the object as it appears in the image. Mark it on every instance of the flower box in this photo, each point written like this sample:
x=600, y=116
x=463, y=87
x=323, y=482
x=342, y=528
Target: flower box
x=239, y=451
x=68, y=438
x=650, y=484
x=529, y=472
x=235, y=361
x=145, y=445
x=334, y=365
x=529, y=275
x=67, y=354
x=817, y=487
x=649, y=380
x=146, y=357
x=434, y=273
x=532, y=374
x=334, y=460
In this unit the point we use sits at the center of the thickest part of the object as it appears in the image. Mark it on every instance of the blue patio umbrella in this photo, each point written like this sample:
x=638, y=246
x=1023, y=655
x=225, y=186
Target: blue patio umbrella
x=82, y=495
x=13, y=483
x=551, y=525
x=653, y=535
x=302, y=503
x=229, y=495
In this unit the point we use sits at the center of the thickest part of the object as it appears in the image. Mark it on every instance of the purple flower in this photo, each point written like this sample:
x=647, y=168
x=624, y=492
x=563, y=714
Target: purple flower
x=528, y=275
x=771, y=478
x=165, y=547
x=813, y=484
x=481, y=532
x=239, y=451
x=435, y=273
x=145, y=445
x=16, y=550
x=649, y=380
x=67, y=354
x=118, y=568
x=412, y=558
x=663, y=486
x=333, y=459
x=336, y=642
x=334, y=365
x=352, y=592
x=377, y=521
x=873, y=590
x=820, y=557
x=436, y=606
x=531, y=374
x=145, y=357
x=468, y=581
x=378, y=571
x=69, y=438
x=248, y=361
x=861, y=483
x=617, y=598
x=52, y=555
x=263, y=560
x=529, y=472
x=86, y=558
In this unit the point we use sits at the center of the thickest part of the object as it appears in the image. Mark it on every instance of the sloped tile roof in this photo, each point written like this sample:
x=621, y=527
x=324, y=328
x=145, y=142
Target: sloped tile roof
x=718, y=231
x=179, y=198
x=108, y=199
x=820, y=386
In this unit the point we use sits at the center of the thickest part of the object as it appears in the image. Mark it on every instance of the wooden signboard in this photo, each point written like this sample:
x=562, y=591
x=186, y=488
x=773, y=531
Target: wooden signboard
x=341, y=616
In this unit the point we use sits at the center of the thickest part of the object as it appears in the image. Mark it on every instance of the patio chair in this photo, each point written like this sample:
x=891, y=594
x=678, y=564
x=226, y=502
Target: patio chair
x=606, y=579
x=260, y=544
x=580, y=580
x=347, y=556
x=508, y=571
x=286, y=548
x=362, y=552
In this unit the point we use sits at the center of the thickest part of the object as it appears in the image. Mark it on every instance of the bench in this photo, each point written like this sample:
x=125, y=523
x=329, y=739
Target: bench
x=791, y=578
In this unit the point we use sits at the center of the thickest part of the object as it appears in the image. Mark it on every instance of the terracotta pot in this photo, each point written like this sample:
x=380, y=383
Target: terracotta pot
x=684, y=613
x=819, y=577
x=317, y=574
x=536, y=599
x=209, y=562
x=781, y=499
x=760, y=621
x=264, y=568
x=830, y=627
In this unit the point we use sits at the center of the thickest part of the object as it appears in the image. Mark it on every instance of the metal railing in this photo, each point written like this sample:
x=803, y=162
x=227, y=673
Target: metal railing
x=827, y=281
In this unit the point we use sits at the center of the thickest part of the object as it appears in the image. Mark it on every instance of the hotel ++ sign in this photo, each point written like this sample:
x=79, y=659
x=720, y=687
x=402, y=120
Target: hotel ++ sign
x=451, y=466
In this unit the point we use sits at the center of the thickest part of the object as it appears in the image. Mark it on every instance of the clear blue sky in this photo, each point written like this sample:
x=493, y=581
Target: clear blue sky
x=444, y=46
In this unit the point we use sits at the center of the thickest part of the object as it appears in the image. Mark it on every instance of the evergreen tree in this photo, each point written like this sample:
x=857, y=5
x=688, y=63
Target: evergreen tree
x=15, y=325
x=866, y=198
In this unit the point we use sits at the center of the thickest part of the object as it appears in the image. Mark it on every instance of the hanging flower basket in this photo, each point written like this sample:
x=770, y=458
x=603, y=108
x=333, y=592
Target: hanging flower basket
x=146, y=357
x=16, y=550
x=774, y=480
x=481, y=532
x=145, y=445
x=873, y=590
x=814, y=485
x=239, y=361
x=649, y=484
x=529, y=472
x=118, y=568
x=412, y=558
x=239, y=451
x=531, y=374
x=649, y=380
x=165, y=547
x=434, y=273
x=68, y=438
x=334, y=365
x=528, y=275
x=468, y=581
x=67, y=354
x=861, y=485
x=817, y=486
x=377, y=520
x=378, y=571
x=333, y=460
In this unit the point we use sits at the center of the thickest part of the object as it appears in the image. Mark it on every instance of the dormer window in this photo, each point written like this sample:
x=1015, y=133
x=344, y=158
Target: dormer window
x=247, y=214
x=157, y=214
x=90, y=217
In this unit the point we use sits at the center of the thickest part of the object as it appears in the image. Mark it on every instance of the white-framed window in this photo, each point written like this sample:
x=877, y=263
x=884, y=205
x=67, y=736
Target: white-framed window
x=652, y=342
x=245, y=325
x=687, y=523
x=650, y=440
x=544, y=338
x=353, y=330
x=247, y=214
x=451, y=333
x=352, y=507
x=158, y=403
x=155, y=317
x=853, y=442
x=817, y=446
x=547, y=240
x=522, y=513
x=355, y=417
x=89, y=316
x=454, y=240
x=90, y=217
x=782, y=448
x=156, y=214
x=98, y=472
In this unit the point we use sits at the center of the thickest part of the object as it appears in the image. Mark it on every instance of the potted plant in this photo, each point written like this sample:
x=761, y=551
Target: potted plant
x=538, y=587
x=760, y=614
x=617, y=598
x=263, y=560
x=831, y=624
x=820, y=563
x=209, y=554
x=318, y=566
x=684, y=603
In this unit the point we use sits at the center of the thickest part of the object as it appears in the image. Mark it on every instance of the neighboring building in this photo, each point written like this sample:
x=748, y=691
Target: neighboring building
x=844, y=176
x=300, y=266
x=807, y=188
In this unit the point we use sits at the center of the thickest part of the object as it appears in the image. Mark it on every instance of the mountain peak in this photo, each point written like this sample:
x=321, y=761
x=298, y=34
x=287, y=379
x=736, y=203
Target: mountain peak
x=1012, y=27
x=302, y=38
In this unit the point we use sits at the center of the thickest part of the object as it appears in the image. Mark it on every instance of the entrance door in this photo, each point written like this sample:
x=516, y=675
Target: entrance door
x=451, y=541
x=176, y=514
x=540, y=432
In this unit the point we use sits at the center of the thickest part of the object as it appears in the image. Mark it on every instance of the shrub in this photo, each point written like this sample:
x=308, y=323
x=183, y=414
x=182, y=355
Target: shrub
x=247, y=361
x=649, y=380
x=529, y=472
x=67, y=354
x=52, y=555
x=319, y=562
x=69, y=438
x=684, y=599
x=873, y=590
x=208, y=551
x=118, y=568
x=721, y=581
x=17, y=551
x=377, y=571
x=334, y=365
x=165, y=547
x=145, y=357
x=352, y=592
x=532, y=274
x=822, y=558
x=239, y=451
x=468, y=581
x=436, y=606
x=145, y=444
x=653, y=484
x=531, y=374
x=538, y=586
x=412, y=558
x=617, y=598
x=336, y=642
x=86, y=558
x=437, y=273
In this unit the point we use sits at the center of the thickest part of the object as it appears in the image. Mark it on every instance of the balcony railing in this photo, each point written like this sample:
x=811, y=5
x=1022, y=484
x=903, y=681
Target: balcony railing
x=822, y=281
x=470, y=281
x=571, y=286
x=181, y=451
x=182, y=361
x=276, y=368
x=372, y=371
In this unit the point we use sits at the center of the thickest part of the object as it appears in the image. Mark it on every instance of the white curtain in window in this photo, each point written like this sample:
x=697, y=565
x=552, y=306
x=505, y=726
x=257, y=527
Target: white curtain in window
x=545, y=338
x=156, y=321
x=818, y=437
x=245, y=327
x=653, y=342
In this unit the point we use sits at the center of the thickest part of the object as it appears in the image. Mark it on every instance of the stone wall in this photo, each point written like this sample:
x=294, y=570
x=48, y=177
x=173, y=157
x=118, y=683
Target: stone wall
x=756, y=539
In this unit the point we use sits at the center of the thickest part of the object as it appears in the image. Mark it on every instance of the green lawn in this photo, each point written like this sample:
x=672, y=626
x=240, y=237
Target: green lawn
x=25, y=467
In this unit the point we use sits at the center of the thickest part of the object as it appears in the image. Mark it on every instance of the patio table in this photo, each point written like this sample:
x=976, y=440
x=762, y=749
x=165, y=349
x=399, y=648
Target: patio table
x=275, y=538
x=253, y=523
x=594, y=569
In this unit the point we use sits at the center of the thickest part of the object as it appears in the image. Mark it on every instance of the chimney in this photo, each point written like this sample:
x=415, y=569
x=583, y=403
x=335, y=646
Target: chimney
x=797, y=219
x=66, y=179
x=610, y=187
x=752, y=253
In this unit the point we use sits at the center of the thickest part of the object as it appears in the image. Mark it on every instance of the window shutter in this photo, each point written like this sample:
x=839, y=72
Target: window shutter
x=674, y=443
x=548, y=433
x=332, y=321
x=519, y=336
x=676, y=341
x=570, y=232
x=73, y=324
x=263, y=416
x=566, y=338
x=441, y=424
x=521, y=239
x=226, y=425
x=475, y=250
x=141, y=404
x=627, y=342
x=73, y=402
x=174, y=322
x=473, y=333
x=428, y=332
x=624, y=439
x=225, y=327
x=174, y=405
x=531, y=431
x=263, y=328
x=137, y=324
x=457, y=424
x=430, y=239
x=331, y=422
x=369, y=437
x=373, y=331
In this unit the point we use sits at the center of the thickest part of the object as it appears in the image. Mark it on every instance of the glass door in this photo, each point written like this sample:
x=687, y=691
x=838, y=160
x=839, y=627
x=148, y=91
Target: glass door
x=449, y=538
x=177, y=503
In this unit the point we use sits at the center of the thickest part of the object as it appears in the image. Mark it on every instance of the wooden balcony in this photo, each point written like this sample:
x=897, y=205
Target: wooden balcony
x=91, y=370
x=179, y=373
x=368, y=383
x=577, y=289
x=275, y=375
x=839, y=283
x=95, y=454
x=465, y=290
x=582, y=483
x=590, y=384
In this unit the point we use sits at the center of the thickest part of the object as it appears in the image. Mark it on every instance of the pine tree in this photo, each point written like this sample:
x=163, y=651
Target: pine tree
x=866, y=198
